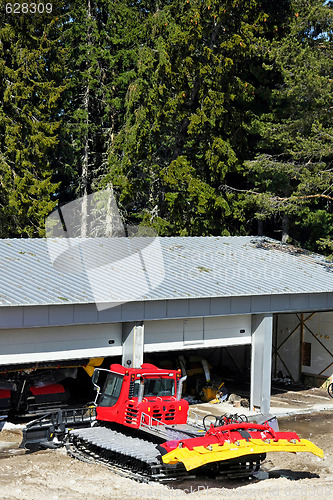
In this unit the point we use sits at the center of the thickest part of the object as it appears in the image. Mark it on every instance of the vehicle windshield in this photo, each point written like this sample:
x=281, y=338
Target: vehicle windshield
x=156, y=387
x=111, y=390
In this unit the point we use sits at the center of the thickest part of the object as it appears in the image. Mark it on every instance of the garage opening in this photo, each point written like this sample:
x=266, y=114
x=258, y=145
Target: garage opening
x=35, y=389
x=209, y=371
x=303, y=349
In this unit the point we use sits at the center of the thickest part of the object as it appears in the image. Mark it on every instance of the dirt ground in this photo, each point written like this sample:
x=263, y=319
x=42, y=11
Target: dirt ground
x=52, y=474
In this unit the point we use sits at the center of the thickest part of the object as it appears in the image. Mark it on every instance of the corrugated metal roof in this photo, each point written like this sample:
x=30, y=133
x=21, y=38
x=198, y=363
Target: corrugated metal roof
x=64, y=271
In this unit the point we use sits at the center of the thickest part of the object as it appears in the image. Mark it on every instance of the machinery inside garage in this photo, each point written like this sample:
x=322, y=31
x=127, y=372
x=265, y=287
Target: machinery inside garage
x=231, y=363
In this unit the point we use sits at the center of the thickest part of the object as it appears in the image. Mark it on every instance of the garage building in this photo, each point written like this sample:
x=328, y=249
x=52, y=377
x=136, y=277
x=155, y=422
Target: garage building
x=168, y=294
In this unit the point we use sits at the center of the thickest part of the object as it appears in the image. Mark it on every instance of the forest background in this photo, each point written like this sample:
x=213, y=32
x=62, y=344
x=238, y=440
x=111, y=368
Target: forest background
x=204, y=117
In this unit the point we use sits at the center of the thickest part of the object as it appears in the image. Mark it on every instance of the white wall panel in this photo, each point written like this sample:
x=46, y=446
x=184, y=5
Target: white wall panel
x=193, y=333
x=57, y=343
x=228, y=330
x=163, y=335
x=288, y=360
x=321, y=324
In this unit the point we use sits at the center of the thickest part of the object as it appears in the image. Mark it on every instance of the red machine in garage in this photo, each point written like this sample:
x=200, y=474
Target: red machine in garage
x=4, y=401
x=35, y=388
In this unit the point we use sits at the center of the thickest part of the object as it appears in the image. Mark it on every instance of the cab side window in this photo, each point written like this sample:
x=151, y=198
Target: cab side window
x=111, y=390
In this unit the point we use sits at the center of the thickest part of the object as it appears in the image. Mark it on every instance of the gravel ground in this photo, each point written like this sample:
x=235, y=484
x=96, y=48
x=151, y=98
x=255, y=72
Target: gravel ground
x=53, y=475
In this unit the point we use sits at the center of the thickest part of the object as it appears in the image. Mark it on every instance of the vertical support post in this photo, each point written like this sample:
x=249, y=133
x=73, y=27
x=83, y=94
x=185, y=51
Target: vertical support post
x=301, y=341
x=261, y=362
x=133, y=343
x=275, y=331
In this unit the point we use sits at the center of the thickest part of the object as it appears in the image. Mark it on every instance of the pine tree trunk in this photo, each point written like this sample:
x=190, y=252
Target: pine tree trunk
x=285, y=228
x=85, y=163
x=112, y=218
x=85, y=169
x=260, y=228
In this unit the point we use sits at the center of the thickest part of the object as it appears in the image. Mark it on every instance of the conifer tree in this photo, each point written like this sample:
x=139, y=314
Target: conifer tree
x=28, y=126
x=98, y=39
x=292, y=169
x=184, y=131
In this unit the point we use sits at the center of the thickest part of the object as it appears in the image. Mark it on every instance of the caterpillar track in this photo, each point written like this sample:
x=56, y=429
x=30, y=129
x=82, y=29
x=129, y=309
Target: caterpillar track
x=139, y=459
x=132, y=457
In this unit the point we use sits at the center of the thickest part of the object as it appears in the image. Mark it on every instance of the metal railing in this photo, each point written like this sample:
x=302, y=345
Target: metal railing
x=196, y=418
x=150, y=420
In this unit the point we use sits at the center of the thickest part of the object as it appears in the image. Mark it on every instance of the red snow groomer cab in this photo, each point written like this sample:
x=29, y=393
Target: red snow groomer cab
x=146, y=395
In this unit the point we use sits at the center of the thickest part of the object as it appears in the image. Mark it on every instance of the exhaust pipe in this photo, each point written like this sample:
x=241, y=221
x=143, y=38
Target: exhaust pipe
x=141, y=391
x=180, y=387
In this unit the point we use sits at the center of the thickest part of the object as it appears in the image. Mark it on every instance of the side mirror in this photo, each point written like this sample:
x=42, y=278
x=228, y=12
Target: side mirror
x=95, y=377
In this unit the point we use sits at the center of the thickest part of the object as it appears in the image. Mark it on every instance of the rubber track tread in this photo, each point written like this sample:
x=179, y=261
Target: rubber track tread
x=136, y=458
x=131, y=457
x=90, y=459
x=111, y=440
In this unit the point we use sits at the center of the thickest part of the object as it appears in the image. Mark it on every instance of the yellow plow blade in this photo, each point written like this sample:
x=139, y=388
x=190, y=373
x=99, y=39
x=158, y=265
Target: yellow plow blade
x=201, y=455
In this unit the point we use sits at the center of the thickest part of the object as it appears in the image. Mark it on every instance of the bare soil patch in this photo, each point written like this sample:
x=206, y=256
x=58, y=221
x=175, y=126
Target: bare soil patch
x=53, y=475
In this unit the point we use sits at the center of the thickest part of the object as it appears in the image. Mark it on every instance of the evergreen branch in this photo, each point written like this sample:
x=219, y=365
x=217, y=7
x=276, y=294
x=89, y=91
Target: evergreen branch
x=226, y=188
